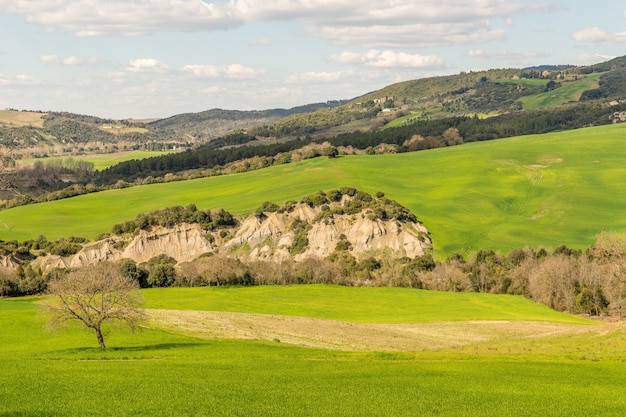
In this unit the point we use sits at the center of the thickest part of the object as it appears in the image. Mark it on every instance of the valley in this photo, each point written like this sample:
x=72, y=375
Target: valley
x=451, y=245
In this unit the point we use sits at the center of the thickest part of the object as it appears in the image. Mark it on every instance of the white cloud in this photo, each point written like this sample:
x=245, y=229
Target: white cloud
x=412, y=36
x=19, y=79
x=319, y=77
x=368, y=23
x=389, y=59
x=597, y=35
x=145, y=65
x=589, y=59
x=235, y=71
x=49, y=59
x=71, y=61
x=477, y=53
x=122, y=17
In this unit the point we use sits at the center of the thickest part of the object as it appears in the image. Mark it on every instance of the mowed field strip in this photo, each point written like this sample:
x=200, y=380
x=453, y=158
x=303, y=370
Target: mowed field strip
x=334, y=317
x=348, y=336
x=100, y=161
x=537, y=190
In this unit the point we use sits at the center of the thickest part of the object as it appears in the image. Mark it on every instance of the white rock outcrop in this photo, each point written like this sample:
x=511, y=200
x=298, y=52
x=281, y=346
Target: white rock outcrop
x=268, y=237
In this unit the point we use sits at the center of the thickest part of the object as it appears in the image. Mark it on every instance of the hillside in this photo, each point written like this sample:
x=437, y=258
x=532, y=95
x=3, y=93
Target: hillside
x=38, y=133
x=314, y=228
x=541, y=190
x=480, y=92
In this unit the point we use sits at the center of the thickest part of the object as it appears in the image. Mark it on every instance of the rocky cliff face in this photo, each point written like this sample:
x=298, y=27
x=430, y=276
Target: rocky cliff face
x=264, y=236
x=183, y=242
x=271, y=238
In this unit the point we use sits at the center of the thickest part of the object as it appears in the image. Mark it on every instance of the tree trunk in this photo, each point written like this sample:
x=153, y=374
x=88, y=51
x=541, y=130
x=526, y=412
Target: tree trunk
x=100, y=337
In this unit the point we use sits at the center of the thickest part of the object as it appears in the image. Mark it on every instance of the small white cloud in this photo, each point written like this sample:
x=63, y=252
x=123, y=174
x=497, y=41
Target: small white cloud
x=589, y=59
x=389, y=59
x=477, y=53
x=145, y=65
x=71, y=61
x=19, y=79
x=319, y=77
x=235, y=71
x=597, y=35
x=49, y=59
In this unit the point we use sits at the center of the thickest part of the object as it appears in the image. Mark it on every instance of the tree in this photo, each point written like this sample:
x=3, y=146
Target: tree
x=95, y=295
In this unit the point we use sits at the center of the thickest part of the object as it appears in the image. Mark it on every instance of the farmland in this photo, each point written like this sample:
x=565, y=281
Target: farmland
x=158, y=372
x=21, y=118
x=570, y=91
x=537, y=190
x=100, y=161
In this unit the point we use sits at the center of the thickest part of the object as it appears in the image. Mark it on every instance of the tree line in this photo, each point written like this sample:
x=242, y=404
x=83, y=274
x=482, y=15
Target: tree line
x=591, y=282
x=470, y=128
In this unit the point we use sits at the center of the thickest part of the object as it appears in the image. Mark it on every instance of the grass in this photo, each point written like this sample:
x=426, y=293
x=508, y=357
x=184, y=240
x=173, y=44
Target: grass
x=21, y=118
x=569, y=91
x=161, y=373
x=118, y=129
x=385, y=305
x=526, y=82
x=537, y=190
x=101, y=161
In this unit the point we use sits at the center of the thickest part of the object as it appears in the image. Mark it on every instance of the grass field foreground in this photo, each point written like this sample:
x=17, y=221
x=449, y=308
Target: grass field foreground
x=163, y=373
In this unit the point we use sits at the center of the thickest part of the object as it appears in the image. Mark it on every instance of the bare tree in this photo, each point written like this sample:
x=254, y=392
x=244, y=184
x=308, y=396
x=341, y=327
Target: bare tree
x=95, y=295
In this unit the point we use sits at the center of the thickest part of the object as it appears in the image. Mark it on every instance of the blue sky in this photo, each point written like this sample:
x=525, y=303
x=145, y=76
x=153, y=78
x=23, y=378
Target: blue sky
x=157, y=58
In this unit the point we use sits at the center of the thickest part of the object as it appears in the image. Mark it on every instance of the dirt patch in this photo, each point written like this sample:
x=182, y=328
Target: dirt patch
x=348, y=336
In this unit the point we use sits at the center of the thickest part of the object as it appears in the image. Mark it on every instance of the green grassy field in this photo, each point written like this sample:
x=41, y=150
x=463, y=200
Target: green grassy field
x=345, y=303
x=538, y=190
x=569, y=91
x=158, y=373
x=527, y=82
x=101, y=161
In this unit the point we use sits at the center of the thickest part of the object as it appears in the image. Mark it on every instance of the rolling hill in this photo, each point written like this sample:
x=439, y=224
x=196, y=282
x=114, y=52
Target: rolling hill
x=537, y=190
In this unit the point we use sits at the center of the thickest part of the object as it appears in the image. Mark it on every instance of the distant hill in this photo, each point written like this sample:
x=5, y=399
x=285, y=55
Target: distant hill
x=214, y=123
x=467, y=94
x=549, y=68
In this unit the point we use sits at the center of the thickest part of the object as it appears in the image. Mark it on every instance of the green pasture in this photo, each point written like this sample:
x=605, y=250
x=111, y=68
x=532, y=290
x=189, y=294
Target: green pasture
x=100, y=161
x=384, y=305
x=537, y=190
x=526, y=82
x=568, y=91
x=399, y=121
x=160, y=373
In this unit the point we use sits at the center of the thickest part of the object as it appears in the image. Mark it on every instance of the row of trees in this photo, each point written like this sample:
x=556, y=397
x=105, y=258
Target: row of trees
x=591, y=282
x=207, y=160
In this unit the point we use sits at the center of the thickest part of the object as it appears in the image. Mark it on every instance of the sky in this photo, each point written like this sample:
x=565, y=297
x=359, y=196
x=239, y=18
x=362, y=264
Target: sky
x=157, y=58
